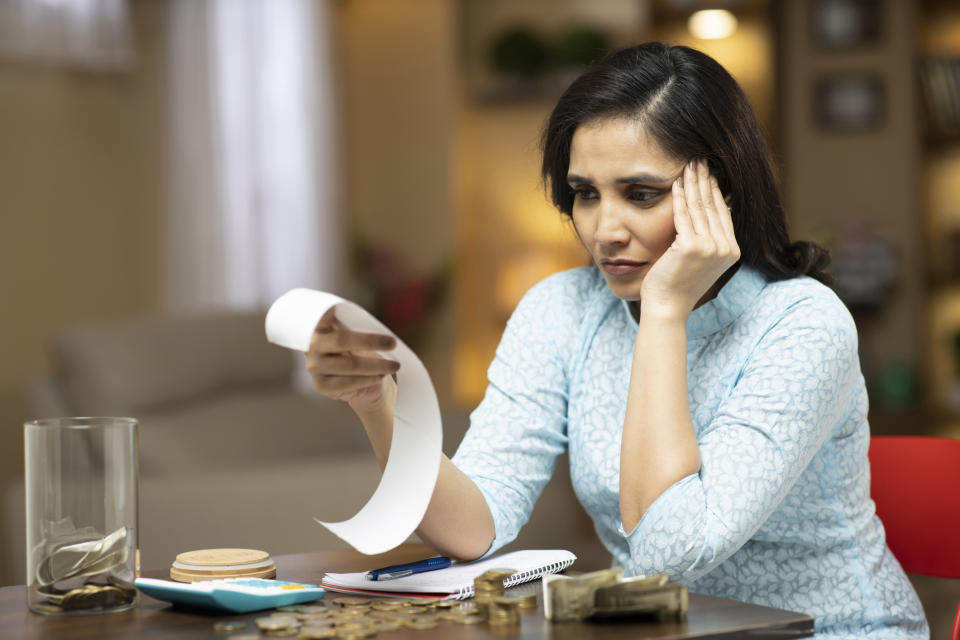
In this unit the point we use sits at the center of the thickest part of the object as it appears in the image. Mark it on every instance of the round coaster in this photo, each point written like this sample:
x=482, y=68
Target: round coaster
x=222, y=557
x=217, y=564
x=183, y=575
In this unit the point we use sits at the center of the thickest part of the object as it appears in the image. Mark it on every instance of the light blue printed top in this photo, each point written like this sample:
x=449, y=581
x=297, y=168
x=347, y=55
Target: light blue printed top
x=779, y=513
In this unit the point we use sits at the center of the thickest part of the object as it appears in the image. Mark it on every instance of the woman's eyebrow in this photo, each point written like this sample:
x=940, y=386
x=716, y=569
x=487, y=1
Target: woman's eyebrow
x=639, y=178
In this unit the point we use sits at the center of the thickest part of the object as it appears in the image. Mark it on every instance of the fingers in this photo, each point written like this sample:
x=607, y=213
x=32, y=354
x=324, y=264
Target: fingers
x=713, y=215
x=701, y=215
x=331, y=336
x=691, y=194
x=681, y=212
x=335, y=385
x=344, y=364
x=350, y=364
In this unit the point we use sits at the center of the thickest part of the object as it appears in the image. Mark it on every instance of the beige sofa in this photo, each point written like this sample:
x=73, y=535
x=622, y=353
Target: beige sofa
x=231, y=455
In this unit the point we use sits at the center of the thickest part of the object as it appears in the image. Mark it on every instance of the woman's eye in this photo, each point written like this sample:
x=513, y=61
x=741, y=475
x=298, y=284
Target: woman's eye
x=643, y=196
x=584, y=194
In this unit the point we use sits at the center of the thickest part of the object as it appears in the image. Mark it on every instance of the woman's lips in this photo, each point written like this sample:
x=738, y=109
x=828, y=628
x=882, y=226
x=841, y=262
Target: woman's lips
x=620, y=267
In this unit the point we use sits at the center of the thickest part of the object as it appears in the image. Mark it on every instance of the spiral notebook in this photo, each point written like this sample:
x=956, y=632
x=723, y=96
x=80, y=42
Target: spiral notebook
x=456, y=581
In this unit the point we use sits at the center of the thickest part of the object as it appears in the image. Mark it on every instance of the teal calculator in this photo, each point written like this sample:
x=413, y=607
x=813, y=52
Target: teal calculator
x=236, y=595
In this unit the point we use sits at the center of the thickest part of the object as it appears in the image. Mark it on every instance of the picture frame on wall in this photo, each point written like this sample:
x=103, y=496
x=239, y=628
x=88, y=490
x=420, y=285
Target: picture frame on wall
x=846, y=24
x=849, y=102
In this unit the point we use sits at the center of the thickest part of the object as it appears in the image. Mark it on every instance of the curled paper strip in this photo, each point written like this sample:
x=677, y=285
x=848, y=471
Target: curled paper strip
x=400, y=501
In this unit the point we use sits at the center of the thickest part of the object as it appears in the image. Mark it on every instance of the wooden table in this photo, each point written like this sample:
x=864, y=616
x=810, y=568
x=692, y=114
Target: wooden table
x=708, y=617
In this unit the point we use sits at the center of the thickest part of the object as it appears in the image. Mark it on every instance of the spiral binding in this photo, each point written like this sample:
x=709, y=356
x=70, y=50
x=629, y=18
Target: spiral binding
x=518, y=578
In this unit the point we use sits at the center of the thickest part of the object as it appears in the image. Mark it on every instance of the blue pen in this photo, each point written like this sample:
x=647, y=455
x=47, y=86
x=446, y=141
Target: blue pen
x=401, y=570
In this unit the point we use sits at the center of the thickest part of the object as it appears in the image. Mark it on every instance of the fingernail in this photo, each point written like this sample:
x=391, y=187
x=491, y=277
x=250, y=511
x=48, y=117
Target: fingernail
x=387, y=343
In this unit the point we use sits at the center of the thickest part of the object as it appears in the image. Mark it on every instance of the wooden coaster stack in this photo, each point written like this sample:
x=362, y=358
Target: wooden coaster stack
x=217, y=564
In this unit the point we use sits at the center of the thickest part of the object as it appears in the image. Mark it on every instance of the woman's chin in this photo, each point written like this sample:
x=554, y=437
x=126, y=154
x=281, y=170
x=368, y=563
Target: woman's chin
x=630, y=295
x=624, y=290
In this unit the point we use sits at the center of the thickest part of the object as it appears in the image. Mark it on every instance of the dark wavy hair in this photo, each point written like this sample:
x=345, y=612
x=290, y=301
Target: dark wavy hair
x=693, y=108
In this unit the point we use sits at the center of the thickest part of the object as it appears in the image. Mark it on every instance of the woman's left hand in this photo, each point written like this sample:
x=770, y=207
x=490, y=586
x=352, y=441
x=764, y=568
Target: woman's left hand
x=704, y=248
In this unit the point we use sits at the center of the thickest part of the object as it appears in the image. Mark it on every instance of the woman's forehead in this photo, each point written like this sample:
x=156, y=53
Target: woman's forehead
x=618, y=144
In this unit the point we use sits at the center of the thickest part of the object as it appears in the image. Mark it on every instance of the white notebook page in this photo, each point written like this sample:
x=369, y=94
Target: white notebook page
x=457, y=579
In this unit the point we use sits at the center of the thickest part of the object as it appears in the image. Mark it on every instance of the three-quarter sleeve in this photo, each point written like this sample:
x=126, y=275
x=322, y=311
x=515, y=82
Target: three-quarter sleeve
x=798, y=383
x=519, y=429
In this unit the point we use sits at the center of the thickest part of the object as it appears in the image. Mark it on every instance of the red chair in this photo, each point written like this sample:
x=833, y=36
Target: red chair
x=915, y=483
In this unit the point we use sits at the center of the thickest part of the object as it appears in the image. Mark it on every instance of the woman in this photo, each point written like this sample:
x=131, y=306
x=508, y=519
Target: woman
x=703, y=379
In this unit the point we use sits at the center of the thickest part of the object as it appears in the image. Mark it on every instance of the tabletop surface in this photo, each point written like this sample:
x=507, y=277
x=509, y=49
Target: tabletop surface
x=707, y=617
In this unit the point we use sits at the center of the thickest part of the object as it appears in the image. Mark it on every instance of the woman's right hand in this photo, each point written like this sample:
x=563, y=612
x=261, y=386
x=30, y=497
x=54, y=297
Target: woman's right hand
x=344, y=365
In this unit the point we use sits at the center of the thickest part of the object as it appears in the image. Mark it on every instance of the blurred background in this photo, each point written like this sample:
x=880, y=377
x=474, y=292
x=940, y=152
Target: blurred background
x=177, y=157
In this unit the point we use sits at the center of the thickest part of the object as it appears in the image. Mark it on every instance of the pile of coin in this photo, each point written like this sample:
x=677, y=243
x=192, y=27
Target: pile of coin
x=504, y=611
x=351, y=617
x=90, y=597
x=489, y=585
x=607, y=594
x=354, y=617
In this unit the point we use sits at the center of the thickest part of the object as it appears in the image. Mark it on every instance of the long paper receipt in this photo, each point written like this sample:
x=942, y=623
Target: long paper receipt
x=400, y=501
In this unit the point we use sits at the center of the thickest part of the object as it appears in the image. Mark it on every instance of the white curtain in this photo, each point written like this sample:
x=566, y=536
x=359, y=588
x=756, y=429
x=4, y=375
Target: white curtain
x=94, y=34
x=253, y=187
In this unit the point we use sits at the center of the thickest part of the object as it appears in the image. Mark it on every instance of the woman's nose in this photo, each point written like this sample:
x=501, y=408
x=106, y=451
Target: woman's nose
x=610, y=227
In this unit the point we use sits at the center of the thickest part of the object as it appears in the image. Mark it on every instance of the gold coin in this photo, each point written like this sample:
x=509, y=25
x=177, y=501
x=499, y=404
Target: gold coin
x=421, y=624
x=492, y=575
x=276, y=623
x=229, y=625
x=506, y=601
x=244, y=636
x=425, y=616
x=322, y=614
x=312, y=620
x=445, y=604
x=467, y=607
x=469, y=619
x=46, y=608
x=288, y=609
x=282, y=633
x=316, y=633
x=312, y=608
x=526, y=600
x=408, y=602
x=352, y=613
x=351, y=601
x=387, y=625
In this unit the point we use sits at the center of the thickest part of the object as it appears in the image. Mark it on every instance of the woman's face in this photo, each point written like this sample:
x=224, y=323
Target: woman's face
x=623, y=207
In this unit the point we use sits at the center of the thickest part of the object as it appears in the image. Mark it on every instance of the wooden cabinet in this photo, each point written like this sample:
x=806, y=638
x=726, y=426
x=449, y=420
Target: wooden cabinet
x=938, y=86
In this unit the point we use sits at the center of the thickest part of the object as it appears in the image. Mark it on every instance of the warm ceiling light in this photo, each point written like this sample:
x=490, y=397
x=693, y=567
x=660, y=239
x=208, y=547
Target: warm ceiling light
x=712, y=24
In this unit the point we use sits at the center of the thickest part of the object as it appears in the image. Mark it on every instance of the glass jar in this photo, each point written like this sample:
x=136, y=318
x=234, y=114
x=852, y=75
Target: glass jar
x=81, y=513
